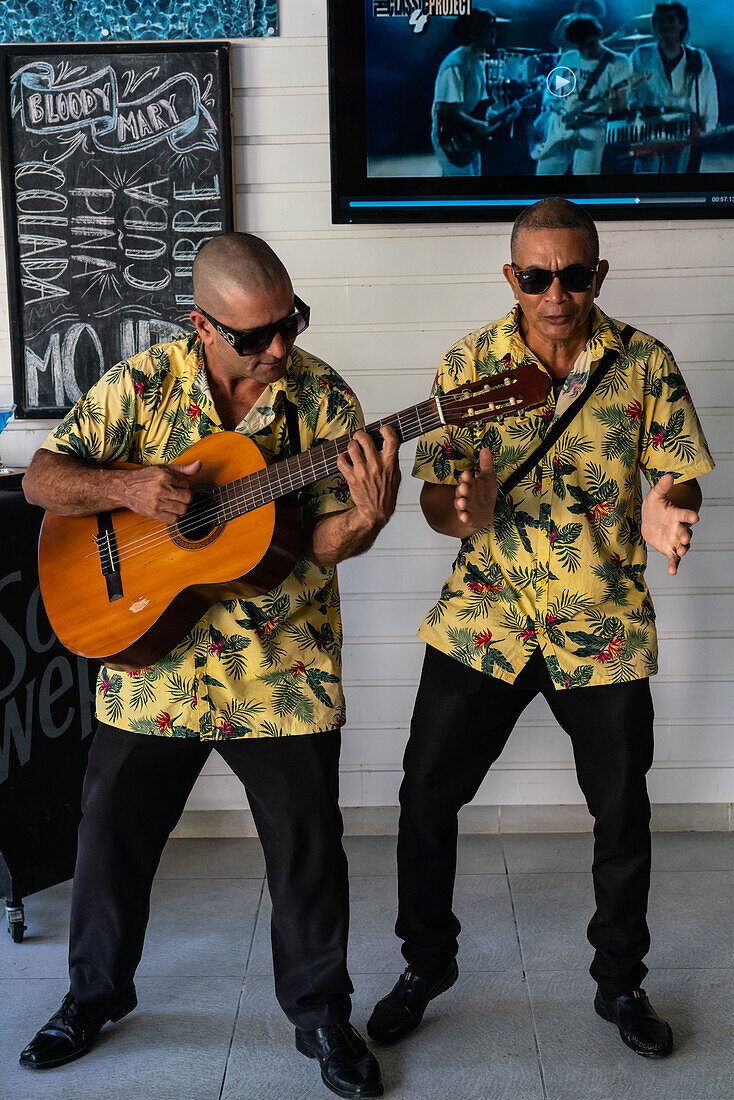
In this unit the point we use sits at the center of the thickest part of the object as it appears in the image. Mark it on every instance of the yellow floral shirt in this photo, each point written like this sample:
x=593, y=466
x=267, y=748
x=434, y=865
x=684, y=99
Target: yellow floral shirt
x=562, y=564
x=267, y=666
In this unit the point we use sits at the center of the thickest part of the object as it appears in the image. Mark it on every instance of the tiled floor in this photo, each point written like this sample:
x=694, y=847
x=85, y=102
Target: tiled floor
x=518, y=1024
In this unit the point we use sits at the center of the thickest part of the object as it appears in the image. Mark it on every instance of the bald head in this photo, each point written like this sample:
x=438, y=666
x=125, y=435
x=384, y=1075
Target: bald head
x=556, y=213
x=232, y=265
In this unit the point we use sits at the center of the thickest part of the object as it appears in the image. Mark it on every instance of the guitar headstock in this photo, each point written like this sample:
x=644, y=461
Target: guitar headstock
x=509, y=393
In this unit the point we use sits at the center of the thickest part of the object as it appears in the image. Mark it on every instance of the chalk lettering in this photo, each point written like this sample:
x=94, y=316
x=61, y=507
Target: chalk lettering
x=143, y=192
x=131, y=253
x=185, y=221
x=73, y=392
x=34, y=366
x=37, y=275
x=169, y=105
x=185, y=249
x=33, y=243
x=97, y=200
x=194, y=193
x=143, y=284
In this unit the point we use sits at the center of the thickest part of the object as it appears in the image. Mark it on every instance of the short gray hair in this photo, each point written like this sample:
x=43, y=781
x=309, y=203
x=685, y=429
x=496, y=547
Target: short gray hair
x=556, y=213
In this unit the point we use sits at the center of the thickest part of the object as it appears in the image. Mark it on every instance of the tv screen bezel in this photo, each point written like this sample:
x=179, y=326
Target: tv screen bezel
x=357, y=198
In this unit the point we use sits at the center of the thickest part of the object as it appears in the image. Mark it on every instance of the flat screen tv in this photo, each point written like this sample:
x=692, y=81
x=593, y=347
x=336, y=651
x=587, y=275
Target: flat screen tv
x=451, y=110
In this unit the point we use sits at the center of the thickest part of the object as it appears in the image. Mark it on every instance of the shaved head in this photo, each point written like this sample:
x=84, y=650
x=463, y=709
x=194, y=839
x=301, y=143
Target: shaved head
x=235, y=264
x=556, y=213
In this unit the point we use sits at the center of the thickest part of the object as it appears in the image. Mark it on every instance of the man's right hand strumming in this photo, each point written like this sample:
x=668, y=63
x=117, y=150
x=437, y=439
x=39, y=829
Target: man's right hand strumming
x=70, y=487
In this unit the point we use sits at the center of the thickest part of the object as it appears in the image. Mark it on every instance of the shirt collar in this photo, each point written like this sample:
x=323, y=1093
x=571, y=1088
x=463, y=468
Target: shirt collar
x=262, y=412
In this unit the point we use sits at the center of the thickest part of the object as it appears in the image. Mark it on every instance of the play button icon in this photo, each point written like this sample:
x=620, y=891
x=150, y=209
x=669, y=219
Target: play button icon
x=561, y=81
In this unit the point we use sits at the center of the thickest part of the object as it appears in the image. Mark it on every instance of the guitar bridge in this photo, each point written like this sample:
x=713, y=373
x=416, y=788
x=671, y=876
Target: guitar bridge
x=108, y=557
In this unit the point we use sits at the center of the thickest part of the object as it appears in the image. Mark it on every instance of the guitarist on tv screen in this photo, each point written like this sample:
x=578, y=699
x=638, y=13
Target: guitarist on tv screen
x=469, y=104
x=257, y=678
x=588, y=84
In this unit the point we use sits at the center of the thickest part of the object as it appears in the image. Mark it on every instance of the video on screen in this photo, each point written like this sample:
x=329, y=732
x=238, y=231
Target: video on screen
x=527, y=88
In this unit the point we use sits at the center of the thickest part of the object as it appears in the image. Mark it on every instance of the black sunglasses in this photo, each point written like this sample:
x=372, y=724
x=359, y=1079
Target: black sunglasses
x=575, y=278
x=258, y=339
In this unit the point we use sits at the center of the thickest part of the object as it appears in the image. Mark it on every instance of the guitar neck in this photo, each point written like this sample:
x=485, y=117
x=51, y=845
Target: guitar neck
x=291, y=474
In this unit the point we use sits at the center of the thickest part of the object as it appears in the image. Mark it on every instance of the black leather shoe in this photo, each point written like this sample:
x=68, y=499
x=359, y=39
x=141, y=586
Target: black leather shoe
x=348, y=1067
x=402, y=1010
x=639, y=1024
x=71, y=1031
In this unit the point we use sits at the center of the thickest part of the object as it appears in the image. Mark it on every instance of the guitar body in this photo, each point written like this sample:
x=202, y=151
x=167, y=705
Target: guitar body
x=168, y=578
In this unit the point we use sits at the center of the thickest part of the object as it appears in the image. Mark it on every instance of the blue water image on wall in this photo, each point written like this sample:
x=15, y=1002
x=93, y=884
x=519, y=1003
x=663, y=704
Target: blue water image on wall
x=135, y=20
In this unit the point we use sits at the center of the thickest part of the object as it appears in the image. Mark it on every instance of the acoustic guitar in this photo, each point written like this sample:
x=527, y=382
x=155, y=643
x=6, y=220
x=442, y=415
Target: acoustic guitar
x=124, y=589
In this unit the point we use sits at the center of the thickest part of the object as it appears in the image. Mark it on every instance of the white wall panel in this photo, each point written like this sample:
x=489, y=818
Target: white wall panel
x=387, y=301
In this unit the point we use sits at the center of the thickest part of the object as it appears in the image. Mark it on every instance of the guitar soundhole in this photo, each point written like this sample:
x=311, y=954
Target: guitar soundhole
x=200, y=525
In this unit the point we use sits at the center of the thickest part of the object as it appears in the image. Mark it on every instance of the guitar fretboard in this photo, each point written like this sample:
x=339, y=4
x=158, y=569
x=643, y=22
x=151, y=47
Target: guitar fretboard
x=290, y=474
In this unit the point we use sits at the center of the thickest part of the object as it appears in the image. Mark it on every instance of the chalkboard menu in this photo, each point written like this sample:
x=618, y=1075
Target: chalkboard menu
x=116, y=170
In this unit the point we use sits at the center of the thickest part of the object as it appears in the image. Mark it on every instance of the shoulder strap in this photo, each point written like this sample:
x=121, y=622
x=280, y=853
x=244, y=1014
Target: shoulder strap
x=293, y=433
x=604, y=60
x=694, y=61
x=291, y=425
x=556, y=431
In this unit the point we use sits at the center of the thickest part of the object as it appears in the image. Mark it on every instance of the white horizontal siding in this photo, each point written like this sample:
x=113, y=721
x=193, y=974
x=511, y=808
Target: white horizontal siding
x=387, y=300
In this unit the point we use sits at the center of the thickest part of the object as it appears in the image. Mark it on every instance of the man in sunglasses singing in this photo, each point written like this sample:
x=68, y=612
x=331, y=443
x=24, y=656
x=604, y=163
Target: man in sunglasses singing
x=258, y=678
x=548, y=597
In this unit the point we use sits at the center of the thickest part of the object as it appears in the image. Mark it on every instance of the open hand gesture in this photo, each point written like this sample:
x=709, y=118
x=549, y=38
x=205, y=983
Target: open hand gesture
x=476, y=493
x=666, y=527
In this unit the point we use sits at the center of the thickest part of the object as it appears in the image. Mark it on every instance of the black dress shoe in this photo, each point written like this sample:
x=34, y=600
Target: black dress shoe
x=348, y=1068
x=71, y=1031
x=639, y=1024
x=402, y=1009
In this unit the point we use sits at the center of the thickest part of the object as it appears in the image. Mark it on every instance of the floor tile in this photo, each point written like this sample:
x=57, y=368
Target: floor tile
x=485, y=1017
x=201, y=927
x=691, y=919
x=172, y=1047
x=371, y=855
x=539, y=852
x=552, y=912
x=210, y=857
x=478, y=853
x=531, y=853
x=481, y=902
x=44, y=950
x=583, y=1057
x=693, y=852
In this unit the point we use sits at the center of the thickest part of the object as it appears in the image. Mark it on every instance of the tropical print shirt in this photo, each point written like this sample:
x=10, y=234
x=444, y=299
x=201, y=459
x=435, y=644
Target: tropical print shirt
x=266, y=666
x=562, y=564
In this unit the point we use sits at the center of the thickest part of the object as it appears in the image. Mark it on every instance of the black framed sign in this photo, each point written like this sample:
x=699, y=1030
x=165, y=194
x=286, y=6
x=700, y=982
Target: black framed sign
x=117, y=167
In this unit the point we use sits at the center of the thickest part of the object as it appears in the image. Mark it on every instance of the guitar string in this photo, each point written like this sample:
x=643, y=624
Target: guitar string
x=226, y=510
x=229, y=507
x=262, y=482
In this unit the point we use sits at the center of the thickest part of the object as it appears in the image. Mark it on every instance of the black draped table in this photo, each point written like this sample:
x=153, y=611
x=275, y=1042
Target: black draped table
x=46, y=722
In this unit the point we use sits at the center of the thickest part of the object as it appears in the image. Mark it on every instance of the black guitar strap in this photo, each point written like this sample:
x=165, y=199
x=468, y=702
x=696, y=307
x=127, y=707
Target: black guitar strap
x=293, y=433
x=556, y=431
x=595, y=74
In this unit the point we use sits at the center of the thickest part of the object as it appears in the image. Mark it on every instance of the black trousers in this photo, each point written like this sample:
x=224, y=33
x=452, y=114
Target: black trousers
x=461, y=722
x=134, y=792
